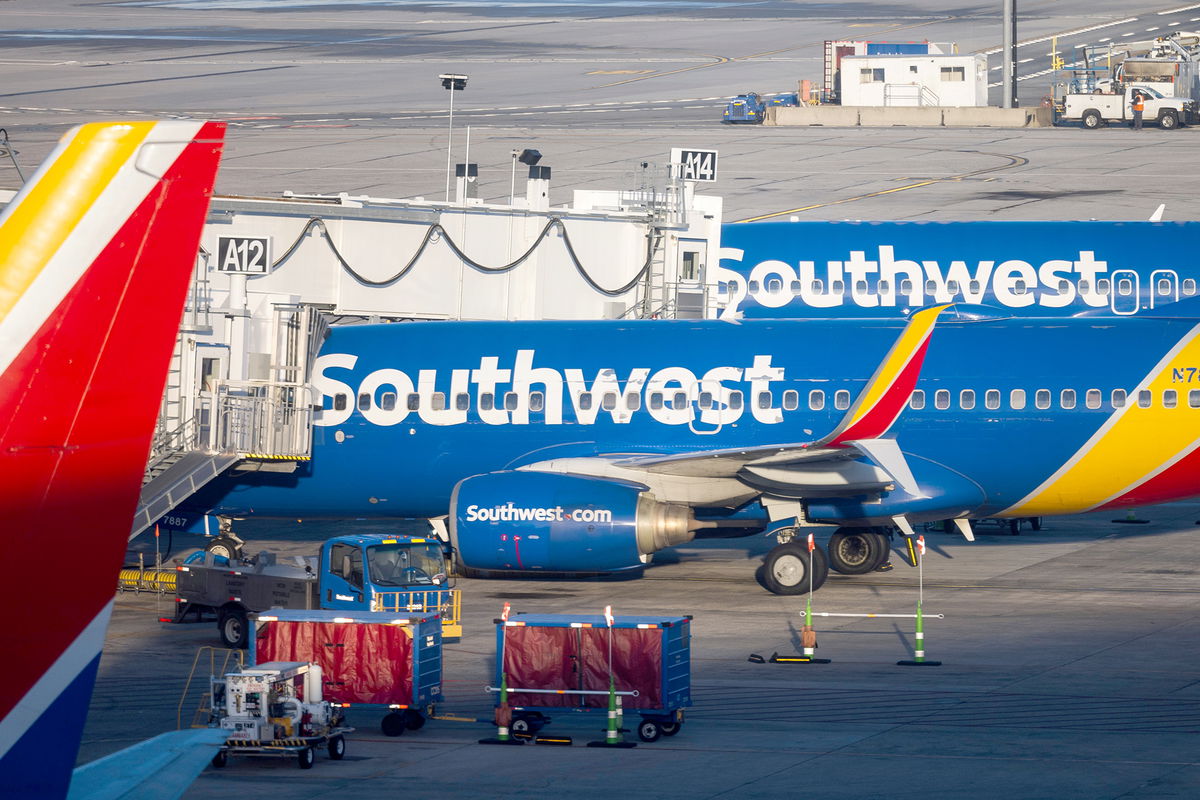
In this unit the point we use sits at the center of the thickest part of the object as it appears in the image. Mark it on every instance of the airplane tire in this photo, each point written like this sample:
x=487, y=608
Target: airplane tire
x=856, y=551
x=225, y=546
x=785, y=569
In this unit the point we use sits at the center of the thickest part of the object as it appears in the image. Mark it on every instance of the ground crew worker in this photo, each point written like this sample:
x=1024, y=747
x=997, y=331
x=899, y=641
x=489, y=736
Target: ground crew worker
x=1139, y=105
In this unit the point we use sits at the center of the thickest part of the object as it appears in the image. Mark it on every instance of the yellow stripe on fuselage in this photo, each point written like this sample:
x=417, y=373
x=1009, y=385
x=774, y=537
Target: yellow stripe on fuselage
x=915, y=333
x=1132, y=446
x=44, y=217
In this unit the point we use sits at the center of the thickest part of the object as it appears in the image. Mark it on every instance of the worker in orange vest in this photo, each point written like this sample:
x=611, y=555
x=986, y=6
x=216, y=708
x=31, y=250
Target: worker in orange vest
x=1139, y=105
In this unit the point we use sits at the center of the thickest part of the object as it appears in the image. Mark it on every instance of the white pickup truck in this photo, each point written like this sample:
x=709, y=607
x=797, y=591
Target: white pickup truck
x=1094, y=109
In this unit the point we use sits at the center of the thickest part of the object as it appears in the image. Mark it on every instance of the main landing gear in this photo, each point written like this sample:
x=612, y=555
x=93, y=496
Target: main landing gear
x=857, y=551
x=851, y=551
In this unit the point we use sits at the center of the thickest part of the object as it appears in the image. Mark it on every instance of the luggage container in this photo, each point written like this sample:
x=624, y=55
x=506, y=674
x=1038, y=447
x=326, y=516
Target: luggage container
x=569, y=653
x=368, y=658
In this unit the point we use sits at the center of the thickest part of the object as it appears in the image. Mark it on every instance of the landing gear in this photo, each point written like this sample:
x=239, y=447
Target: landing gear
x=857, y=551
x=786, y=568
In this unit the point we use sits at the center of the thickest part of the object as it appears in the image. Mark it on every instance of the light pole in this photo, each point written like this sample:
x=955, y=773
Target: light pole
x=452, y=83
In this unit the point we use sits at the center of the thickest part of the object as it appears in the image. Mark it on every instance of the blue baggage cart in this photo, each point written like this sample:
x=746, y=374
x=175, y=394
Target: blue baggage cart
x=562, y=663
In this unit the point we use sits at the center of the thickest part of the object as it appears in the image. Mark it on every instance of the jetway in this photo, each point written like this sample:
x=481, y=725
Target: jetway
x=274, y=273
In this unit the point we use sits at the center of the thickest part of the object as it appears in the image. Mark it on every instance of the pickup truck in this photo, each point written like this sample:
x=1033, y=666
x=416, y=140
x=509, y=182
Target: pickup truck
x=1095, y=109
x=369, y=572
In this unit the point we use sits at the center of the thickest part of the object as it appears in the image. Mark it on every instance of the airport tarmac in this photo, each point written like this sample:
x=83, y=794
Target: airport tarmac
x=1071, y=669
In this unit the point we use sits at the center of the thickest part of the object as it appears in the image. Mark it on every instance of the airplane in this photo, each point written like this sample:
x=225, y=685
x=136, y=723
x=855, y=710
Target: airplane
x=588, y=446
x=866, y=269
x=96, y=255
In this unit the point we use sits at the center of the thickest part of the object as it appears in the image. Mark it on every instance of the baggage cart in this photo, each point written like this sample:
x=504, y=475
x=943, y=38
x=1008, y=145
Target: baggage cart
x=383, y=661
x=564, y=659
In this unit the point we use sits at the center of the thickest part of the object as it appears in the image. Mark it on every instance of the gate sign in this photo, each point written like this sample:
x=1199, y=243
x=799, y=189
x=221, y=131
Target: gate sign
x=695, y=165
x=251, y=254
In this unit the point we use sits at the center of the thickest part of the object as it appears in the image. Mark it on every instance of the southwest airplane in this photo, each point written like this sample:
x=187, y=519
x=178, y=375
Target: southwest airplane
x=96, y=254
x=870, y=269
x=588, y=446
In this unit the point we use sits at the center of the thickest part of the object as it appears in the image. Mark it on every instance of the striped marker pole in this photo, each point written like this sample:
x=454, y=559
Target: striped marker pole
x=502, y=726
x=503, y=717
x=613, y=735
x=918, y=659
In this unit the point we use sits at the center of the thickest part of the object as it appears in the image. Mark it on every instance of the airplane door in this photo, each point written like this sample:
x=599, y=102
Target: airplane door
x=689, y=290
x=212, y=365
x=1125, y=296
x=1164, y=287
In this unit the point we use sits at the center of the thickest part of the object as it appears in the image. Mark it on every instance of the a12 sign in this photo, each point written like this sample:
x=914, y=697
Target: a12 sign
x=250, y=254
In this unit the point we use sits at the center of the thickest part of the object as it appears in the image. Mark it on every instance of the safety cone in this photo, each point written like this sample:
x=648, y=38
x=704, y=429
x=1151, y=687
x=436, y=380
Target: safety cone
x=612, y=735
x=918, y=659
x=503, y=718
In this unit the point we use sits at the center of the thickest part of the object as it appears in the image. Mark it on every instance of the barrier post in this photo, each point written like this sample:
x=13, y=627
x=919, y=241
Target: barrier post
x=918, y=659
x=503, y=715
x=612, y=734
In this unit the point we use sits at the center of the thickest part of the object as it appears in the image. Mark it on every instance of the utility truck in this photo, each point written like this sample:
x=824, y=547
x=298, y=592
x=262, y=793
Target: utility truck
x=368, y=572
x=1095, y=109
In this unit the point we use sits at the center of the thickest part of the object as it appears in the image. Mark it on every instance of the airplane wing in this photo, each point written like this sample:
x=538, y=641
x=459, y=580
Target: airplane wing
x=161, y=768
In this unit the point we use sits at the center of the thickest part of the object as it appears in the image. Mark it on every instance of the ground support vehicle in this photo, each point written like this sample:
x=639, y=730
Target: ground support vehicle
x=376, y=572
x=570, y=653
x=372, y=659
x=276, y=709
x=748, y=108
x=1096, y=109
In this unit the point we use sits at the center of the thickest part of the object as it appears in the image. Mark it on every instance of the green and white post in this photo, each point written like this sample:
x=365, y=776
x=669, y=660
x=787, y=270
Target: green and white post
x=612, y=734
x=503, y=716
x=918, y=659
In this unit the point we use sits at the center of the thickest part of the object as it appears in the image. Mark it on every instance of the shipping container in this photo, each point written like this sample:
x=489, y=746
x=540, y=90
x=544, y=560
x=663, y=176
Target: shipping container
x=368, y=658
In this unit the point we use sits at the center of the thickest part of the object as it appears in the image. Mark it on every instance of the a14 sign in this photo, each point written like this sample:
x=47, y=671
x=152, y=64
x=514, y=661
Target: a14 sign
x=695, y=165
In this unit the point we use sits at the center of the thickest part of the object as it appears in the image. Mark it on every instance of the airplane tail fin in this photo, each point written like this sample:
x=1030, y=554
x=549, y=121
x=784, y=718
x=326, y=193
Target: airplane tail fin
x=96, y=253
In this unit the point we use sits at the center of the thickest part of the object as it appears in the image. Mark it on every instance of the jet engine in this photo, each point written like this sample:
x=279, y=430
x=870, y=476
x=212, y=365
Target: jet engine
x=549, y=522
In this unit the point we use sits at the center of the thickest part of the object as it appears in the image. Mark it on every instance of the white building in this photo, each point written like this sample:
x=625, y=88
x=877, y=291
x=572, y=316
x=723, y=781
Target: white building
x=914, y=80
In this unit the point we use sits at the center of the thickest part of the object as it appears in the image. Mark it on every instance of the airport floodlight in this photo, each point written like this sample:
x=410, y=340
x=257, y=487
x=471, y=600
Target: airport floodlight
x=453, y=83
x=529, y=157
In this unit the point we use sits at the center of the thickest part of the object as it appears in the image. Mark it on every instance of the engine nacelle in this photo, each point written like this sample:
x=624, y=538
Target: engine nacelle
x=549, y=522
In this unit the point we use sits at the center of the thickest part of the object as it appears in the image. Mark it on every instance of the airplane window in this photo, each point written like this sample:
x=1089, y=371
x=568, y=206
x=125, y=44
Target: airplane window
x=585, y=401
x=1093, y=398
x=752, y=286
x=487, y=401
x=1084, y=286
x=1063, y=286
x=1018, y=287
x=1189, y=286
x=510, y=401
x=906, y=286
x=706, y=400
x=941, y=399
x=930, y=287
x=816, y=400
x=339, y=402
x=818, y=286
x=973, y=286
x=883, y=287
x=774, y=286
x=1103, y=285
x=462, y=401
x=917, y=401
x=609, y=401
x=952, y=287
x=656, y=401
x=735, y=400
x=791, y=400
x=1066, y=398
x=1143, y=399
x=439, y=401
x=1125, y=286
x=537, y=401
x=861, y=286
x=388, y=401
x=680, y=400
x=1041, y=398
x=1118, y=398
x=633, y=401
x=991, y=399
x=1194, y=398
x=841, y=399
x=1016, y=399
x=837, y=287
x=966, y=399
x=1170, y=398
x=413, y=401
x=1164, y=286
x=364, y=401
x=764, y=399
x=795, y=287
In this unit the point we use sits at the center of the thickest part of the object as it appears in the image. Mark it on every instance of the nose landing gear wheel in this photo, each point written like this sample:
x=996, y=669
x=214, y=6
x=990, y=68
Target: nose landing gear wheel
x=785, y=570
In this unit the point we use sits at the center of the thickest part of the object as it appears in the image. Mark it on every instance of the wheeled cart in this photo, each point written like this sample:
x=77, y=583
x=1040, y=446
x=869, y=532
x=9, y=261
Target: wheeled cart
x=562, y=663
